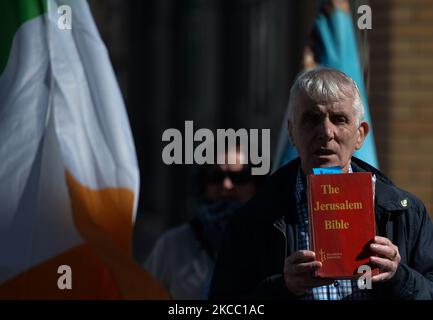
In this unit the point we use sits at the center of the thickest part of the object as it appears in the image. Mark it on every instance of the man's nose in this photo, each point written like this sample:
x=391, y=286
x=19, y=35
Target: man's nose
x=227, y=183
x=327, y=130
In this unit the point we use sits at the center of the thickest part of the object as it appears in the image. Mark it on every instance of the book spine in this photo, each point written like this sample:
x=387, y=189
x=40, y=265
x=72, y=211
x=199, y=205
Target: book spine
x=311, y=245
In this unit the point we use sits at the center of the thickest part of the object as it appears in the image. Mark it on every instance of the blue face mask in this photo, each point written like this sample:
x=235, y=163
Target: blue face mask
x=213, y=217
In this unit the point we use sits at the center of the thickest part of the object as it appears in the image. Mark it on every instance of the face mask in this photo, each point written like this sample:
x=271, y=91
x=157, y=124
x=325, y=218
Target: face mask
x=214, y=217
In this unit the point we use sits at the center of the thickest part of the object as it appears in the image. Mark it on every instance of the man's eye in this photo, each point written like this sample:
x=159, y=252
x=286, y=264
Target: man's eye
x=340, y=119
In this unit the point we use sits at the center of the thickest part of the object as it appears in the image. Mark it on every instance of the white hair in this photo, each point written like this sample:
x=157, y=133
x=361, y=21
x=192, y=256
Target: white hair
x=325, y=86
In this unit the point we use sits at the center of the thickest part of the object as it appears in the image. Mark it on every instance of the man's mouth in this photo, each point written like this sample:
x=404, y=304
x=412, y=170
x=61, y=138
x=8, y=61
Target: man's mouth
x=324, y=152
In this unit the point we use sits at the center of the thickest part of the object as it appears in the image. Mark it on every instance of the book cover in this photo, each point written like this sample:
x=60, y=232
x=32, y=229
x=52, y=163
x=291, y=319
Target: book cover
x=342, y=224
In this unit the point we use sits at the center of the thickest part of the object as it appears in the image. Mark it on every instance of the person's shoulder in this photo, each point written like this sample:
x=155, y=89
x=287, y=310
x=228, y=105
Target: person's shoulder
x=390, y=196
x=284, y=173
x=176, y=235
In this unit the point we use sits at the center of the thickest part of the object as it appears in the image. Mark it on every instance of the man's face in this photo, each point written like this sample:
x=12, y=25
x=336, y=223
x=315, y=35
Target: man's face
x=326, y=135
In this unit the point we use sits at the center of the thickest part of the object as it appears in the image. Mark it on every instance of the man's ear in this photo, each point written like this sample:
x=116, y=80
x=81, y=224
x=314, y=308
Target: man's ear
x=290, y=129
x=363, y=130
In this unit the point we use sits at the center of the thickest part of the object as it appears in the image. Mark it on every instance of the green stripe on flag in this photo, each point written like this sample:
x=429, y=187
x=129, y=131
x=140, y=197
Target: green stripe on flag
x=13, y=14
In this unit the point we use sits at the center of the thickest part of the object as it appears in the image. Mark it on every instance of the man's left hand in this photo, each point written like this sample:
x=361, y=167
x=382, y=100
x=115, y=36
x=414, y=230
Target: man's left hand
x=387, y=260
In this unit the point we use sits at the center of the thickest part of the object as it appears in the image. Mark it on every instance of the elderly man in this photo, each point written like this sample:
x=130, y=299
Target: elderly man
x=265, y=251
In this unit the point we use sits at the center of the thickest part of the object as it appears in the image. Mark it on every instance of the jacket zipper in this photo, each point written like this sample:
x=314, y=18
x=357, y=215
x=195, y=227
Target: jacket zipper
x=279, y=226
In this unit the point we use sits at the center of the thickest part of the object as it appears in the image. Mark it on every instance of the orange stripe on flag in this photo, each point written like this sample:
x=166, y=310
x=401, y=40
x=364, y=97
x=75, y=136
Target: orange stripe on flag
x=98, y=213
x=102, y=268
x=104, y=219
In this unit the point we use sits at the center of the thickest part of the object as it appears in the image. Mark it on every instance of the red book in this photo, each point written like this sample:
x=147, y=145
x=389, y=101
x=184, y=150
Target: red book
x=342, y=225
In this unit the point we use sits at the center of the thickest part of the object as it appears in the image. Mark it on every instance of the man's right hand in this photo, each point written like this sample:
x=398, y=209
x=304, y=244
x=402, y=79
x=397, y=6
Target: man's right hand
x=298, y=272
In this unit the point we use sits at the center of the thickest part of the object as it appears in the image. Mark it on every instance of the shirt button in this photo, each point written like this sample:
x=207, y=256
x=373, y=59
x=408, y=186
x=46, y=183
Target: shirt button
x=336, y=283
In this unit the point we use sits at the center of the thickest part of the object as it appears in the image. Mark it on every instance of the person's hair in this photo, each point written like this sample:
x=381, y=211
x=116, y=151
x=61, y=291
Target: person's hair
x=325, y=85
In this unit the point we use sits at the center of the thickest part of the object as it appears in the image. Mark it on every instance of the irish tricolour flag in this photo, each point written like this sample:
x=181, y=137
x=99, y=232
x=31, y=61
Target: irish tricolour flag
x=68, y=172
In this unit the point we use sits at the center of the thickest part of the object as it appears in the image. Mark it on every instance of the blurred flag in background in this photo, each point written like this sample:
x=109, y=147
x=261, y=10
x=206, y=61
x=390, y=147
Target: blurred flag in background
x=335, y=47
x=68, y=170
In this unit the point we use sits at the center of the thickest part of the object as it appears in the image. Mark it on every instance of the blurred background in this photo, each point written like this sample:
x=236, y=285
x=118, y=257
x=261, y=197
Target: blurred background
x=230, y=64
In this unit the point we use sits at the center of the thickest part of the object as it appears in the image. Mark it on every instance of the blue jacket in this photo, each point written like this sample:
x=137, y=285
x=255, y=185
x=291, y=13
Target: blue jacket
x=263, y=233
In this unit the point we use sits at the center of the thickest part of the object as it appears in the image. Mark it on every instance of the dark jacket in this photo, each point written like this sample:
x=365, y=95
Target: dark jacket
x=263, y=233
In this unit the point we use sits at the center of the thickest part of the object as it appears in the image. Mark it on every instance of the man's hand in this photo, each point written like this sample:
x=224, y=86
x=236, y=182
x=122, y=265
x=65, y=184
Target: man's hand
x=298, y=272
x=387, y=261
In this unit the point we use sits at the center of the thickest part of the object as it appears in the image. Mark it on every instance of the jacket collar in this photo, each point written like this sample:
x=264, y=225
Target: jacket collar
x=387, y=195
x=280, y=194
